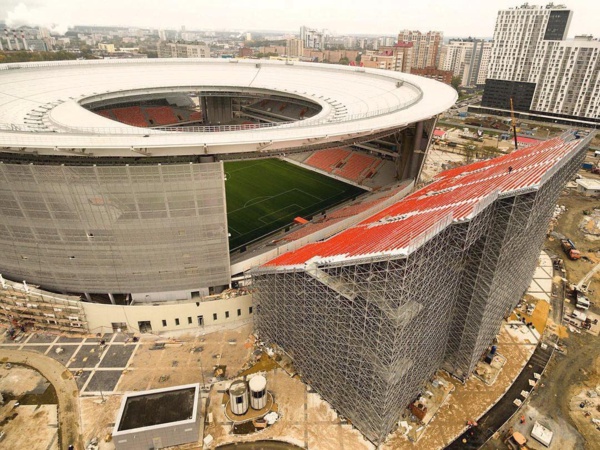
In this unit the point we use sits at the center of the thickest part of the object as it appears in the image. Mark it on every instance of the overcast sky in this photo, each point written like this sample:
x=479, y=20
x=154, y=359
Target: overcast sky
x=380, y=17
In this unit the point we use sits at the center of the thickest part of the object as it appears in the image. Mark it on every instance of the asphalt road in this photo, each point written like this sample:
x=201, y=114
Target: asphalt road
x=66, y=392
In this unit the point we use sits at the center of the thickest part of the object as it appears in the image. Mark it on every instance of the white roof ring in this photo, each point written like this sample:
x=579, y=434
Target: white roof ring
x=41, y=104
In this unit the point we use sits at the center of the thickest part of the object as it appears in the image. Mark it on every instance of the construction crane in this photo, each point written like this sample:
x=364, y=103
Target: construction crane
x=513, y=123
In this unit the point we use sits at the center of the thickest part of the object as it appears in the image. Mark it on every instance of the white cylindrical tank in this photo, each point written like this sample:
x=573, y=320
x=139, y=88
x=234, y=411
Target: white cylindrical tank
x=258, y=392
x=238, y=397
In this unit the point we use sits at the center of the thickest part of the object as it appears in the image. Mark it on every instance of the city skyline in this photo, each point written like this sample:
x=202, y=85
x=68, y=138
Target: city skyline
x=458, y=19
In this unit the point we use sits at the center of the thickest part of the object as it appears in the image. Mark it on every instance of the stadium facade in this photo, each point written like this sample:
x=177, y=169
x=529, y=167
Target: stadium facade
x=370, y=314
x=91, y=208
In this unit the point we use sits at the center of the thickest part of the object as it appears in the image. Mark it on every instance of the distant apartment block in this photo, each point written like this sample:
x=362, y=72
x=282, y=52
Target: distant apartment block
x=427, y=47
x=468, y=60
x=294, y=48
x=397, y=57
x=545, y=74
x=107, y=48
x=245, y=52
x=444, y=76
x=330, y=56
x=175, y=50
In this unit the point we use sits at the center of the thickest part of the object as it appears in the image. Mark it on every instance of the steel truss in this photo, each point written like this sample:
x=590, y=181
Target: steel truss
x=367, y=335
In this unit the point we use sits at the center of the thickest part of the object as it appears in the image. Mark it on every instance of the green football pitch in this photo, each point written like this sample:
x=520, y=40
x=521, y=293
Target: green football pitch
x=267, y=194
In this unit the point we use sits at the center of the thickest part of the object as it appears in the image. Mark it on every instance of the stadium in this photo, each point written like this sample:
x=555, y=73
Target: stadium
x=168, y=194
x=145, y=182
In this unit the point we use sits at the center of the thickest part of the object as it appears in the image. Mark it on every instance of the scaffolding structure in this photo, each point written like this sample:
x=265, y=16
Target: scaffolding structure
x=367, y=333
x=30, y=307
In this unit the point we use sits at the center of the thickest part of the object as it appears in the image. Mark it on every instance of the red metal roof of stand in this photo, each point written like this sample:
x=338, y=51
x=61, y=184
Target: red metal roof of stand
x=455, y=195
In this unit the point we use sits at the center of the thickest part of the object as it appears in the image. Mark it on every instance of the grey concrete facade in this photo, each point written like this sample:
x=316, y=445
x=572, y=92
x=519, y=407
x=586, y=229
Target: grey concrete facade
x=115, y=228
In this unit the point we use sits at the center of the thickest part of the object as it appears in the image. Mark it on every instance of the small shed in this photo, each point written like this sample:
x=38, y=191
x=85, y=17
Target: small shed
x=588, y=186
x=440, y=134
x=542, y=434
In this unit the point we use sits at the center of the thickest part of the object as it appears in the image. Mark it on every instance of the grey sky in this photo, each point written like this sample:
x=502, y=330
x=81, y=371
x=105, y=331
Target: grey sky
x=383, y=17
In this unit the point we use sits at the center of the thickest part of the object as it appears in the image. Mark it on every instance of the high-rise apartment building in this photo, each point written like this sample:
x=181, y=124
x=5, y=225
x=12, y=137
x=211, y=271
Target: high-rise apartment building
x=569, y=82
x=312, y=39
x=544, y=74
x=426, y=51
x=468, y=60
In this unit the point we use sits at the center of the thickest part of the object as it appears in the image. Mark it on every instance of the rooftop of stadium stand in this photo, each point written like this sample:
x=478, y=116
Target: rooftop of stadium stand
x=41, y=104
x=456, y=195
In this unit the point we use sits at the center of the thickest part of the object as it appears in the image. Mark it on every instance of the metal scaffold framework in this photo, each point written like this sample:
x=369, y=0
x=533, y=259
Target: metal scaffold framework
x=28, y=306
x=366, y=329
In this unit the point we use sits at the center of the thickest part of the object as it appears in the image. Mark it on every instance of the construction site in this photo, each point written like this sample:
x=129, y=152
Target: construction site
x=348, y=339
x=357, y=319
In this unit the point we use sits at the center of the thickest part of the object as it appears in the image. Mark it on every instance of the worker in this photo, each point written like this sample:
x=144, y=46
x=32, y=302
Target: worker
x=509, y=169
x=522, y=419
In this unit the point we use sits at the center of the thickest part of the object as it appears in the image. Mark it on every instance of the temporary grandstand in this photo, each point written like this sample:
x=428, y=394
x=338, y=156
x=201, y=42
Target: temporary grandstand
x=371, y=313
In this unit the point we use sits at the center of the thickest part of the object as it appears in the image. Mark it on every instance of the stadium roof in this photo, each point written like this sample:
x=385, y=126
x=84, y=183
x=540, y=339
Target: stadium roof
x=456, y=195
x=41, y=104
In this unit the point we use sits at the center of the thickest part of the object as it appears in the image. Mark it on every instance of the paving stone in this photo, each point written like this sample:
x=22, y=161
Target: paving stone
x=117, y=355
x=103, y=380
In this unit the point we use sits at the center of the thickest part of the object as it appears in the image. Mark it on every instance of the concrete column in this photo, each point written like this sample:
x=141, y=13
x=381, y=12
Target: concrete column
x=112, y=298
x=218, y=110
x=88, y=297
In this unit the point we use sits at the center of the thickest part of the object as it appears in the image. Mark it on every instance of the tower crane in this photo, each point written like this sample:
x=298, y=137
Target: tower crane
x=513, y=123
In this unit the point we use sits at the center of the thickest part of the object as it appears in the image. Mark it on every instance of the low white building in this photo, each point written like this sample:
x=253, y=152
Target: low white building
x=158, y=418
x=588, y=186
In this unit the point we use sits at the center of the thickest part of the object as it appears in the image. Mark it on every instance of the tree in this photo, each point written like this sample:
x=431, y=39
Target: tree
x=455, y=83
x=344, y=61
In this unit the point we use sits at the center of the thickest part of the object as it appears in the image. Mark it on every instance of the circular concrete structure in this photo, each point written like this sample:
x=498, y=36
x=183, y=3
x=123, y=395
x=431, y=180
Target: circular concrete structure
x=91, y=206
x=41, y=104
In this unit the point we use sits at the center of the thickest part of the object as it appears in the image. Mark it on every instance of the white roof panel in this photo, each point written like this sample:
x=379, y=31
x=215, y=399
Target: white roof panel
x=41, y=103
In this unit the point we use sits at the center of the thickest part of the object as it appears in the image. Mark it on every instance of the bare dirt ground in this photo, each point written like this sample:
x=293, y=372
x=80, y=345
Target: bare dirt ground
x=568, y=374
x=582, y=416
x=19, y=380
x=189, y=358
x=32, y=427
x=66, y=391
x=305, y=418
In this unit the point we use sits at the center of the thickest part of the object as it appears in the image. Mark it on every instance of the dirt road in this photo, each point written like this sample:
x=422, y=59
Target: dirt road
x=66, y=391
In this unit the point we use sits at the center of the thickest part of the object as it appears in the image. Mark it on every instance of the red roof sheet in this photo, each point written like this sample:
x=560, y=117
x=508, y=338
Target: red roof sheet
x=527, y=140
x=455, y=195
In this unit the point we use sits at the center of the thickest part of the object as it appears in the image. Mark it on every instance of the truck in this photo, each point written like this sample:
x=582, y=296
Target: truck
x=570, y=249
x=582, y=303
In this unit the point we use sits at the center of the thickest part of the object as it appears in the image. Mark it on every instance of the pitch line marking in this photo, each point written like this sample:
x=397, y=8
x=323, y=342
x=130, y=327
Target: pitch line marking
x=261, y=218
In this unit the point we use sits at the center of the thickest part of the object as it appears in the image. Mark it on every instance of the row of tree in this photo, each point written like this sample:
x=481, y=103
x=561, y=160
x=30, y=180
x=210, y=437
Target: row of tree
x=24, y=56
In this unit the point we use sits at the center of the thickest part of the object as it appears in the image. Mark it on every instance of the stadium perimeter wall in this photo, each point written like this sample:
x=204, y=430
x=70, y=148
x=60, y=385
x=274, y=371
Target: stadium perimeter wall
x=101, y=317
x=28, y=305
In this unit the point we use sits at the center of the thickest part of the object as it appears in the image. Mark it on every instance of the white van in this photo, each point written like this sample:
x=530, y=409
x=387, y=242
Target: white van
x=582, y=303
